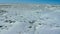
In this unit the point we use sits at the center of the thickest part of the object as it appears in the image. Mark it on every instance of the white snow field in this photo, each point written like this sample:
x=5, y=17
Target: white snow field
x=29, y=19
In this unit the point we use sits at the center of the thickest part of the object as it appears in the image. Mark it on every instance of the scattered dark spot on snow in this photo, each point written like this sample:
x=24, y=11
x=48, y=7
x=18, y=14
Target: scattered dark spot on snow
x=31, y=22
x=57, y=26
x=5, y=26
x=10, y=16
x=10, y=21
x=47, y=18
x=37, y=12
x=6, y=20
x=21, y=16
x=1, y=26
x=30, y=26
x=24, y=21
x=39, y=23
x=1, y=11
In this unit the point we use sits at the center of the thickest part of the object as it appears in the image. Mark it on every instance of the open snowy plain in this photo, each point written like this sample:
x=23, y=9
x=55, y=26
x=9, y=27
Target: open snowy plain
x=29, y=19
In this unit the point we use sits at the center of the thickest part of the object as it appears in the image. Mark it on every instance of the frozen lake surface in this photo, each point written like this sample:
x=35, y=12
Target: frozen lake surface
x=29, y=19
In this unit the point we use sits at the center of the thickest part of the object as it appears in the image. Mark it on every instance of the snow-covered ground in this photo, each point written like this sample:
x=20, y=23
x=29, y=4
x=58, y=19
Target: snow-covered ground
x=29, y=19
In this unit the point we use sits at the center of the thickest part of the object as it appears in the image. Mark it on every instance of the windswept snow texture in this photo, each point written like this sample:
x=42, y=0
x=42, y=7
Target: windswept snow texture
x=29, y=19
